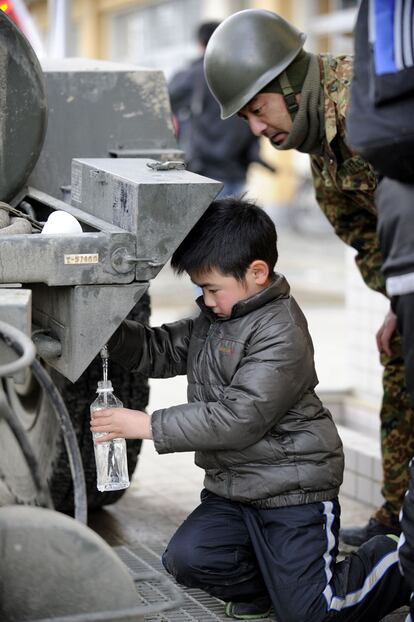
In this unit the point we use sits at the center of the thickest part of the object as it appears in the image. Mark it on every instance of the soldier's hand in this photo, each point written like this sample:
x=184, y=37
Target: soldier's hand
x=386, y=332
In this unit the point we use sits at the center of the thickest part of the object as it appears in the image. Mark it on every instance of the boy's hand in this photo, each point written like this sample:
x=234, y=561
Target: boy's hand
x=120, y=423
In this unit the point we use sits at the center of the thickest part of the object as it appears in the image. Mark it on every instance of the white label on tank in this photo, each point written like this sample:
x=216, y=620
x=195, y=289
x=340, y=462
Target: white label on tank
x=81, y=259
x=76, y=182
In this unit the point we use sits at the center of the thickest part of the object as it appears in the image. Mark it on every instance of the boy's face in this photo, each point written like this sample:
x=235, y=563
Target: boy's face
x=222, y=292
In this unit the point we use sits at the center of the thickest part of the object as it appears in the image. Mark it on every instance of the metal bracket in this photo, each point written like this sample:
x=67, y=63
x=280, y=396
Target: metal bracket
x=121, y=261
x=176, y=165
x=47, y=347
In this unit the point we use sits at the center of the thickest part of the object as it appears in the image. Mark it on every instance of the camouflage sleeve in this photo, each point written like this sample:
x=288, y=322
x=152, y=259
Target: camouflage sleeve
x=354, y=220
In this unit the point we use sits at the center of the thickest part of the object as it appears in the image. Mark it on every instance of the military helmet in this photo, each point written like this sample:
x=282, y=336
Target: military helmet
x=248, y=50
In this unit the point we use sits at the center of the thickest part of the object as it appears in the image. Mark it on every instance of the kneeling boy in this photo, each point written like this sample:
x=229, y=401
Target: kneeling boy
x=266, y=531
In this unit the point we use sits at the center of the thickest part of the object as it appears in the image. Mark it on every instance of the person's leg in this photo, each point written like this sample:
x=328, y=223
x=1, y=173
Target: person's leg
x=397, y=436
x=296, y=547
x=296, y=550
x=404, y=308
x=397, y=448
x=406, y=544
x=211, y=550
x=368, y=584
x=395, y=203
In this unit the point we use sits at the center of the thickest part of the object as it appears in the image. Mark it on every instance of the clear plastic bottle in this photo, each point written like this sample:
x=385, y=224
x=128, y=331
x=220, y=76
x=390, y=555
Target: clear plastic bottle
x=110, y=457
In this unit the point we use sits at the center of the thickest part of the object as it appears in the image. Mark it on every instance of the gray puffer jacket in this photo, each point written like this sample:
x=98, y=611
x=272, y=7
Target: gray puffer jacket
x=258, y=429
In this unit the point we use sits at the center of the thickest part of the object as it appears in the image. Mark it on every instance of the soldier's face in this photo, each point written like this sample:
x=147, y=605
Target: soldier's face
x=268, y=116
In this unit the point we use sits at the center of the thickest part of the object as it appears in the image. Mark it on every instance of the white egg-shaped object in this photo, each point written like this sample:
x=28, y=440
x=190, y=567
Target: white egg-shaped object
x=61, y=222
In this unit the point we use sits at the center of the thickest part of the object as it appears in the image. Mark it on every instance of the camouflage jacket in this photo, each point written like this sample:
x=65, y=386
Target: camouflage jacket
x=344, y=182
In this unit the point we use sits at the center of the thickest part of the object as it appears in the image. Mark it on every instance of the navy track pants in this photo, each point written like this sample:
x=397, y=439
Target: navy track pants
x=237, y=552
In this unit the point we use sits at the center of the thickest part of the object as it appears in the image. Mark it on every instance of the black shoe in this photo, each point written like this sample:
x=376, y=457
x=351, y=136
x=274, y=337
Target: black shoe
x=254, y=610
x=358, y=535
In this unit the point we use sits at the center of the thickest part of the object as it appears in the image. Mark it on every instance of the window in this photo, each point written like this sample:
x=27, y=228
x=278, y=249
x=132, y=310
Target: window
x=162, y=34
x=158, y=36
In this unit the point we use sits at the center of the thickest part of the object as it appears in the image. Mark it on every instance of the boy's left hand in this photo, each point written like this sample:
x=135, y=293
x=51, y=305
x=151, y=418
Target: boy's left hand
x=120, y=423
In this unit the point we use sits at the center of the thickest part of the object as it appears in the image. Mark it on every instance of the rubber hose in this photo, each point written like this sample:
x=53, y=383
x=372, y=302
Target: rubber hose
x=27, y=451
x=12, y=336
x=70, y=440
x=17, y=225
x=4, y=218
x=18, y=341
x=28, y=209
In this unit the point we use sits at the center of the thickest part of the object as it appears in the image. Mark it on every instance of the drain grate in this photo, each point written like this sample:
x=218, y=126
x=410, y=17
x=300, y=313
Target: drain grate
x=195, y=605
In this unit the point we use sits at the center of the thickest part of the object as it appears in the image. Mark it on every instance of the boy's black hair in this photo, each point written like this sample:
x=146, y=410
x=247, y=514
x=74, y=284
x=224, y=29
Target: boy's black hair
x=228, y=237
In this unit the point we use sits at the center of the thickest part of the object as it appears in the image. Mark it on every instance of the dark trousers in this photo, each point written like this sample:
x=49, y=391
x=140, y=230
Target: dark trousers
x=404, y=309
x=240, y=553
x=406, y=546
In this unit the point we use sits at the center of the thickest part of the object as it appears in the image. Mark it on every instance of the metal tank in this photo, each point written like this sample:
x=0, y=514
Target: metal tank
x=94, y=140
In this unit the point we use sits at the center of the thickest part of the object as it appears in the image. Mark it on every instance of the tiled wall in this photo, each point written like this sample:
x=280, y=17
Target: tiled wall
x=363, y=470
x=365, y=311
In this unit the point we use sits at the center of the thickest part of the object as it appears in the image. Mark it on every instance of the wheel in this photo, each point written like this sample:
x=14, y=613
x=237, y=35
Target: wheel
x=131, y=389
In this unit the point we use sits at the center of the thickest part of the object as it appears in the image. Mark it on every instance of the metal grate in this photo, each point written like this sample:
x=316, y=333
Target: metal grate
x=197, y=605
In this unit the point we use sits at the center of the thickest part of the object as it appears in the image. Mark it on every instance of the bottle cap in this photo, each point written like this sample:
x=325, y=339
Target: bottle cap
x=104, y=385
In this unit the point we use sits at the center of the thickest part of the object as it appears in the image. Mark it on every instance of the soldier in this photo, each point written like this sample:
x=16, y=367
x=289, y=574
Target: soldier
x=256, y=67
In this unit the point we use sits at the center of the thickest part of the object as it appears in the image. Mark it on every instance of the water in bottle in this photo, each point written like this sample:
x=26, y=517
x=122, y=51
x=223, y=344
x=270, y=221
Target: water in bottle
x=110, y=457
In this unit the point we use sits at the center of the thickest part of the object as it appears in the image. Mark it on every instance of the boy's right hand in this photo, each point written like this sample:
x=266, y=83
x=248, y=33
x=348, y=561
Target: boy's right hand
x=121, y=423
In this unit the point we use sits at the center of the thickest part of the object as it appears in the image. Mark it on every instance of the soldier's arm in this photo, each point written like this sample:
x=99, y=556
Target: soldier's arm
x=353, y=217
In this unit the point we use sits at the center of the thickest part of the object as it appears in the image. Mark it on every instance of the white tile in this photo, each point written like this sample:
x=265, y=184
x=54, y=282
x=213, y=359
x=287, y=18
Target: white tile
x=348, y=487
x=364, y=465
x=377, y=470
x=350, y=458
x=377, y=498
x=364, y=488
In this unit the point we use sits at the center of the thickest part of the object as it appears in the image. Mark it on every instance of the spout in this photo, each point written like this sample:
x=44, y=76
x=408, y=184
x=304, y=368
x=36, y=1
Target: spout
x=104, y=353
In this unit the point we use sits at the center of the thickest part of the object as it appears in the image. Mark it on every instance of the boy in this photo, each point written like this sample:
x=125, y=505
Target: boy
x=266, y=530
